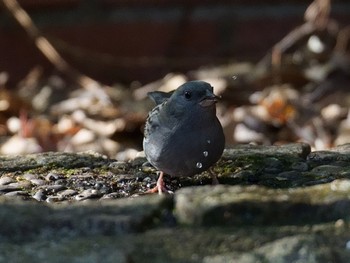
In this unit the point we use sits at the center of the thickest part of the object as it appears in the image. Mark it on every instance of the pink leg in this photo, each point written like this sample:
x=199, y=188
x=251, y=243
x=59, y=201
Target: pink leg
x=160, y=186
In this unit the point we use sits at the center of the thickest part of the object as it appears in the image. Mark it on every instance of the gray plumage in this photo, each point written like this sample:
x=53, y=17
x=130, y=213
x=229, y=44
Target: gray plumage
x=183, y=136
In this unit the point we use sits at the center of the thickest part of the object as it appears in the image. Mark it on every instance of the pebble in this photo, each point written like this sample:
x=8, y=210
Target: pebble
x=38, y=182
x=21, y=184
x=8, y=188
x=30, y=176
x=140, y=161
x=53, y=188
x=40, y=195
x=6, y=180
x=147, y=179
x=147, y=168
x=54, y=199
x=113, y=195
x=67, y=193
x=117, y=167
x=99, y=184
x=102, y=187
x=61, y=181
x=88, y=194
x=17, y=193
x=52, y=176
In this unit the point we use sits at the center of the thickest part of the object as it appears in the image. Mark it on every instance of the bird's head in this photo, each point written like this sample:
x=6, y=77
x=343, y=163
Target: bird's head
x=194, y=95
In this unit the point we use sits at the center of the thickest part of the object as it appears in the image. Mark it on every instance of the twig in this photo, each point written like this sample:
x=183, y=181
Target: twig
x=50, y=52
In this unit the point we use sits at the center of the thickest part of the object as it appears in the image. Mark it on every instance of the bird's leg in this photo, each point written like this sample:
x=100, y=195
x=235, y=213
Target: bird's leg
x=160, y=183
x=214, y=178
x=160, y=186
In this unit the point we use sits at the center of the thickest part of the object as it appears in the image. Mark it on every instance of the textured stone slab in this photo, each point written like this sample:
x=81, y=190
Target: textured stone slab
x=301, y=213
x=339, y=155
x=51, y=160
x=294, y=149
x=253, y=205
x=24, y=220
x=298, y=248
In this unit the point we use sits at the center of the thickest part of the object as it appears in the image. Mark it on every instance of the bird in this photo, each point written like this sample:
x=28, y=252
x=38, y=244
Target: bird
x=182, y=134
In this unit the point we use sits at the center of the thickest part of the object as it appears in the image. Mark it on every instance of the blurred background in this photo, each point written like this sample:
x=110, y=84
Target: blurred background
x=74, y=75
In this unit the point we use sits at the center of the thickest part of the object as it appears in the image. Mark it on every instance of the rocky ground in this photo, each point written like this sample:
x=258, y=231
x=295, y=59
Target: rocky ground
x=274, y=204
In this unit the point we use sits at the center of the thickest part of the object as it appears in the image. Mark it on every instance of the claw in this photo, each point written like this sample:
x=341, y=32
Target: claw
x=160, y=186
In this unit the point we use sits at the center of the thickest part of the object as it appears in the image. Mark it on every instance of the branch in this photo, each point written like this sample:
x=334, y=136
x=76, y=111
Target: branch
x=49, y=51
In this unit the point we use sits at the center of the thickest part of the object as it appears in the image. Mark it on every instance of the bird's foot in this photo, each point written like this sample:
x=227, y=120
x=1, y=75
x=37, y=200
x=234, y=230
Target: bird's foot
x=160, y=187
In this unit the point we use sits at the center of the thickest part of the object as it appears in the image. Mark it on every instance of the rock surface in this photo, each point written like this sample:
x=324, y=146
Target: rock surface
x=274, y=204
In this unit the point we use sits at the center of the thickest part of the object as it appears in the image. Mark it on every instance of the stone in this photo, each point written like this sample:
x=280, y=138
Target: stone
x=6, y=180
x=301, y=150
x=118, y=166
x=300, y=166
x=9, y=188
x=30, y=176
x=299, y=248
x=274, y=205
x=330, y=171
x=53, y=176
x=40, y=195
x=67, y=193
x=54, y=188
x=54, y=199
x=37, y=182
x=17, y=194
x=233, y=257
x=21, y=185
x=253, y=205
x=110, y=217
x=336, y=154
x=272, y=165
x=52, y=159
x=88, y=194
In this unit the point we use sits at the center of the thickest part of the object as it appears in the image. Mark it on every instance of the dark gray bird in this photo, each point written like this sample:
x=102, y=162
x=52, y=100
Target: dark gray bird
x=183, y=136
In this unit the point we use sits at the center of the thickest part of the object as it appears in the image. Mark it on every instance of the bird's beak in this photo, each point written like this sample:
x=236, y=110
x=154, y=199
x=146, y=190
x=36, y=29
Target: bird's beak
x=209, y=99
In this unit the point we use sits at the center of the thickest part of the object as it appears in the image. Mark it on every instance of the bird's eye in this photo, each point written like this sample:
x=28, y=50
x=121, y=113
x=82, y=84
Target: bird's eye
x=188, y=95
